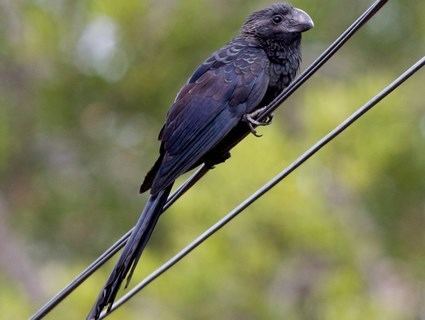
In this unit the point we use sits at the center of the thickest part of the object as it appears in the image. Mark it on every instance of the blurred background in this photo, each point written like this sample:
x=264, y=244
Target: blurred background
x=84, y=88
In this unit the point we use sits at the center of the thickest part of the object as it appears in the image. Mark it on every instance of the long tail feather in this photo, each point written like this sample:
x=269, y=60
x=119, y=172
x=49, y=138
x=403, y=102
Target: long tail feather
x=131, y=253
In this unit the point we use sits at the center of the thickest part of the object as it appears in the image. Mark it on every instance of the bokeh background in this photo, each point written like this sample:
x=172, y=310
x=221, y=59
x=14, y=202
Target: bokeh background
x=84, y=87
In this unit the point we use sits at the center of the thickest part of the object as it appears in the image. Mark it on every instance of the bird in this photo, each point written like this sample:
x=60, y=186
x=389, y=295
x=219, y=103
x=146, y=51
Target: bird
x=213, y=111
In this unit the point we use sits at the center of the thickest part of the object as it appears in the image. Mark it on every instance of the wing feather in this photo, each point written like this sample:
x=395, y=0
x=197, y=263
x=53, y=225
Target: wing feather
x=228, y=85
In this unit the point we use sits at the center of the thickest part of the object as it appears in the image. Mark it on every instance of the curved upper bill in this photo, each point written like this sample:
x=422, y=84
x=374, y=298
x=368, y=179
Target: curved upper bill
x=301, y=21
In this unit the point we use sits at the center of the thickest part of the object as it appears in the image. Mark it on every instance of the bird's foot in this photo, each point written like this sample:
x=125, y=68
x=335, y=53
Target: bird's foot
x=252, y=123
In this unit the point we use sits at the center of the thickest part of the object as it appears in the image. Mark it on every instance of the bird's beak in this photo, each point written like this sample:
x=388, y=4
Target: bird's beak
x=301, y=21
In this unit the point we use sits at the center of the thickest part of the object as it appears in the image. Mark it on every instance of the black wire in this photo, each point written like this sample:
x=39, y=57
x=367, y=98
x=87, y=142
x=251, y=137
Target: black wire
x=313, y=68
x=268, y=186
x=324, y=57
x=93, y=267
x=319, y=62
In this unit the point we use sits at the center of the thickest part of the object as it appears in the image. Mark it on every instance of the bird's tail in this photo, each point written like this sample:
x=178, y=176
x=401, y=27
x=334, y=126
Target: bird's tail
x=131, y=253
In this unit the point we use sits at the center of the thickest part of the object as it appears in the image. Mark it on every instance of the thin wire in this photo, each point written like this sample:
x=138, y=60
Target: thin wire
x=313, y=68
x=324, y=57
x=202, y=171
x=94, y=266
x=269, y=185
x=319, y=62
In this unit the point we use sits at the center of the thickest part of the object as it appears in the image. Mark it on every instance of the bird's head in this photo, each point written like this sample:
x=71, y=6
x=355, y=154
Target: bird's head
x=279, y=22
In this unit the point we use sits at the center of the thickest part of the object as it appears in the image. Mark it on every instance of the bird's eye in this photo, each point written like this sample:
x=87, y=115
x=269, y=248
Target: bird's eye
x=277, y=19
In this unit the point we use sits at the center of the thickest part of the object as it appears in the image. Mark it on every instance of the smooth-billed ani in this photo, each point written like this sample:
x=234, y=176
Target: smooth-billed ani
x=212, y=112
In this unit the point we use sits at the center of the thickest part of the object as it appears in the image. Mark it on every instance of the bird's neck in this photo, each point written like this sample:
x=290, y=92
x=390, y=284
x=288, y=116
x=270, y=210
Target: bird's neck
x=280, y=51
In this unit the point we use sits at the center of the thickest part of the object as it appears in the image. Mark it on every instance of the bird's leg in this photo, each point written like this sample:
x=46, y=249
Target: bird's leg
x=266, y=122
x=252, y=123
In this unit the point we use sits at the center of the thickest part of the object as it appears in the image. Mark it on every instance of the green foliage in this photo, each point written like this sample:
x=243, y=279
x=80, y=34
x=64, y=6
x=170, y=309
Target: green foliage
x=84, y=87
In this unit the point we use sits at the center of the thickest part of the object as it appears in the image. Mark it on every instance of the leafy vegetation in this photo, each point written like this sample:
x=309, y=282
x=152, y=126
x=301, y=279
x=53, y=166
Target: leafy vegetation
x=84, y=87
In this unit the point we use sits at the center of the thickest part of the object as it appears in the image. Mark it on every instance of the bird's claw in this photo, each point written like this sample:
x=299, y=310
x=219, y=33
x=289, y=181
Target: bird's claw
x=268, y=120
x=252, y=123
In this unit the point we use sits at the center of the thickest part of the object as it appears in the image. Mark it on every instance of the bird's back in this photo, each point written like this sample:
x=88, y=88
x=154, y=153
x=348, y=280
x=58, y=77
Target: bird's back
x=230, y=83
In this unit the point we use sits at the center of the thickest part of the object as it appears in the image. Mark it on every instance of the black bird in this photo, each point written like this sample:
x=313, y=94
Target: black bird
x=212, y=113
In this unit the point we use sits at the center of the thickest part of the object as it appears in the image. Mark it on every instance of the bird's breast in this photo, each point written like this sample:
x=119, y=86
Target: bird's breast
x=281, y=75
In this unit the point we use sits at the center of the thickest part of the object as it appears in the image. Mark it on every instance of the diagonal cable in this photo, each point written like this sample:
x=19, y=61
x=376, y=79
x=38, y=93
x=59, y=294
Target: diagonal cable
x=324, y=57
x=268, y=186
x=313, y=68
x=101, y=260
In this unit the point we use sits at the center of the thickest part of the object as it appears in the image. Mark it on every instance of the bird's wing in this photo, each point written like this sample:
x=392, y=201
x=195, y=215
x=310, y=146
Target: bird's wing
x=229, y=85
